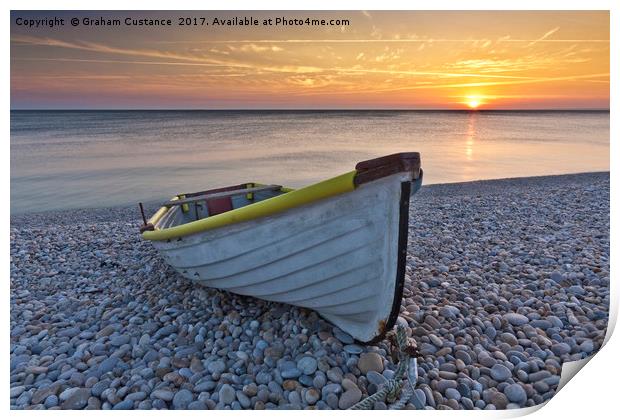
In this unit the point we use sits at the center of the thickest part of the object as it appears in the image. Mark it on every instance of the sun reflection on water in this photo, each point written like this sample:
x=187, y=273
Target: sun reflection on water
x=471, y=136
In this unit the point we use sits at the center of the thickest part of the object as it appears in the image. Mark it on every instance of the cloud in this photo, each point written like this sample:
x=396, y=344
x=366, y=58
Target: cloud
x=256, y=48
x=545, y=36
x=217, y=51
x=389, y=55
x=355, y=70
x=184, y=59
x=582, y=77
x=101, y=48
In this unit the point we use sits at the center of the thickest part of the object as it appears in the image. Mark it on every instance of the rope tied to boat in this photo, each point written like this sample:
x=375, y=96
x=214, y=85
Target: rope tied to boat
x=407, y=354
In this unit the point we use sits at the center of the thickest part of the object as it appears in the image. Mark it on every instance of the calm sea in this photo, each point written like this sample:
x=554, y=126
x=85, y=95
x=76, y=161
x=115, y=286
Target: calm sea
x=78, y=159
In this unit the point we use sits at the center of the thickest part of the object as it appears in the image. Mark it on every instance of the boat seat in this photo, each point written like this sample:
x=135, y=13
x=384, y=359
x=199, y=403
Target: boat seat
x=223, y=204
x=219, y=205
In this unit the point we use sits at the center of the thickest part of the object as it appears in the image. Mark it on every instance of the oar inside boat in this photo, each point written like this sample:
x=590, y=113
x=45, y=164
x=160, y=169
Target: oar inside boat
x=338, y=246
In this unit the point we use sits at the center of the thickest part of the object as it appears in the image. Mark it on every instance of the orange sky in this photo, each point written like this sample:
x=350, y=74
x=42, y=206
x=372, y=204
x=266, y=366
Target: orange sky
x=411, y=59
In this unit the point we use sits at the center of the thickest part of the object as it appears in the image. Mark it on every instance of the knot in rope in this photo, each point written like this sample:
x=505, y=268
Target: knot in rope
x=392, y=388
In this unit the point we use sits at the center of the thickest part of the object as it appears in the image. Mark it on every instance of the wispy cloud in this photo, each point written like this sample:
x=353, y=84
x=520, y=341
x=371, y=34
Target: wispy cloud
x=292, y=69
x=184, y=59
x=545, y=36
x=583, y=77
x=106, y=49
x=256, y=48
x=188, y=60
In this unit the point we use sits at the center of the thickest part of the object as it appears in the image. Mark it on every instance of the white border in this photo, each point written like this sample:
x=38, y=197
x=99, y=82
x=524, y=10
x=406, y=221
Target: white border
x=591, y=394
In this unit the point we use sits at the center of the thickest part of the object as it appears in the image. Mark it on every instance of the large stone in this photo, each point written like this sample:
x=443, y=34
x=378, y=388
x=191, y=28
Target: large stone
x=555, y=321
x=290, y=385
x=464, y=356
x=560, y=349
x=163, y=394
x=17, y=390
x=348, y=384
x=577, y=290
x=449, y=311
x=452, y=393
x=243, y=399
x=499, y=400
x=182, y=399
x=349, y=398
x=509, y=339
x=500, y=372
x=335, y=374
x=331, y=389
x=307, y=365
x=312, y=396
x=343, y=337
x=419, y=399
x=444, y=384
x=77, y=400
x=515, y=393
x=539, y=376
x=370, y=361
x=41, y=394
x=68, y=332
x=353, y=348
x=516, y=319
x=432, y=322
x=123, y=405
x=216, y=367
x=36, y=370
x=227, y=394
x=107, y=365
x=375, y=378
x=587, y=346
x=119, y=340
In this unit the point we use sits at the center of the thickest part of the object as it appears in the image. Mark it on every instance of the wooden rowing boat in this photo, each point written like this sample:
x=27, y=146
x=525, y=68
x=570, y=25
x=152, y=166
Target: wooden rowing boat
x=337, y=247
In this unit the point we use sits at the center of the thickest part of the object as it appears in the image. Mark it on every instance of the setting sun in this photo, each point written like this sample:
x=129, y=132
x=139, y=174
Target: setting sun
x=473, y=101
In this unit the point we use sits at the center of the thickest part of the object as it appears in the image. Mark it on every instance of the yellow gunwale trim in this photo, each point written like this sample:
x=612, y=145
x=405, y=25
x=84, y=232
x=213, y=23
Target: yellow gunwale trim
x=291, y=199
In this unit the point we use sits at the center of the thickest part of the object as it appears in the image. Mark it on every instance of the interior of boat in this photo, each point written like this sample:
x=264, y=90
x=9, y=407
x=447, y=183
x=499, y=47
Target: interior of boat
x=190, y=207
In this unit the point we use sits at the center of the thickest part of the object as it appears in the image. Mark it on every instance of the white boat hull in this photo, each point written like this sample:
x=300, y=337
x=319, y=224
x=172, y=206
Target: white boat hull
x=343, y=257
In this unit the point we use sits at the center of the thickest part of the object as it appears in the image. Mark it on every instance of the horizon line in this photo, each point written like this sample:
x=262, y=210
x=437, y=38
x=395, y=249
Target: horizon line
x=323, y=109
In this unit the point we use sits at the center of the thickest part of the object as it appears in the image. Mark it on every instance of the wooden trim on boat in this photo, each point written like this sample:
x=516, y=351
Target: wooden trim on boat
x=215, y=190
x=223, y=194
x=370, y=170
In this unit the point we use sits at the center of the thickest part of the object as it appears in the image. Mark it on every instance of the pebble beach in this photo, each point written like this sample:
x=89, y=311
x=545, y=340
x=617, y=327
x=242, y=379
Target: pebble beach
x=506, y=280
